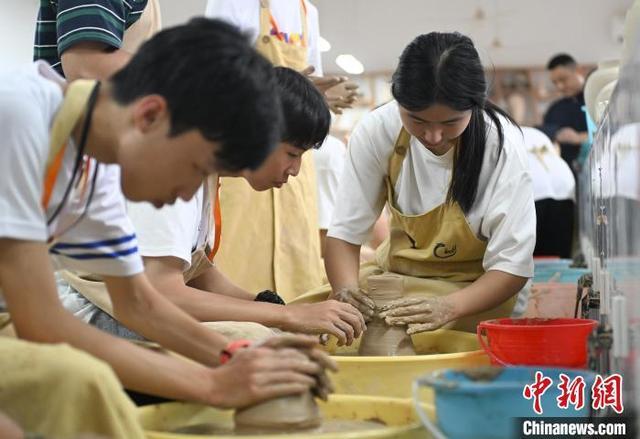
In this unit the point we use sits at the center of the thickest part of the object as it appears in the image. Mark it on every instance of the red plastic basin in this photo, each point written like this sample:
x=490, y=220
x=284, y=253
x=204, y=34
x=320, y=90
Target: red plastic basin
x=536, y=342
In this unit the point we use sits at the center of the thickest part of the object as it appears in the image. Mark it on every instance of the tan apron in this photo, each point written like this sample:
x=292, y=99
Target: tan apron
x=54, y=389
x=271, y=238
x=437, y=253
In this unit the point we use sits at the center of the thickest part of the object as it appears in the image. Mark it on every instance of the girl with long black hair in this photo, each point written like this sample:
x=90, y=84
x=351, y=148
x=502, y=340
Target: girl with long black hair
x=452, y=168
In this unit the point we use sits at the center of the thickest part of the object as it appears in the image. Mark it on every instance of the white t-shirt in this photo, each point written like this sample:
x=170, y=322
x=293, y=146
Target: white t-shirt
x=245, y=14
x=329, y=161
x=503, y=212
x=98, y=240
x=551, y=176
x=174, y=230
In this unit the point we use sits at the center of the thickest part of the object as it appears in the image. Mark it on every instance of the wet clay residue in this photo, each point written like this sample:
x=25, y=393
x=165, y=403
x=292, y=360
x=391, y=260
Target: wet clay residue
x=482, y=373
x=327, y=426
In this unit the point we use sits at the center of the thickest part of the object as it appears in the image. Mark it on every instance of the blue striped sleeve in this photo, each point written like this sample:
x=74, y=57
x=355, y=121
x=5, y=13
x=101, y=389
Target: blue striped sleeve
x=104, y=249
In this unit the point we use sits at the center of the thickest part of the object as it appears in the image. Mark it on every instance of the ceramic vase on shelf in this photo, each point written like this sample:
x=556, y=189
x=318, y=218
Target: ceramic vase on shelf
x=606, y=73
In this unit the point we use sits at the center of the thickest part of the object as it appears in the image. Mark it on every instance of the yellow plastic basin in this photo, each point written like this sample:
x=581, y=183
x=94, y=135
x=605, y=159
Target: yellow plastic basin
x=392, y=376
x=398, y=415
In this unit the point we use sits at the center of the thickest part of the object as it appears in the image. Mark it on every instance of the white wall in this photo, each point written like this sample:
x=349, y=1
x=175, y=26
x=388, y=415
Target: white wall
x=377, y=30
x=17, y=27
x=531, y=31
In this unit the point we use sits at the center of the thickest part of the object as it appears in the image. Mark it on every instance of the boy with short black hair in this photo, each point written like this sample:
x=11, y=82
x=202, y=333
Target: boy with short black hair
x=172, y=240
x=195, y=100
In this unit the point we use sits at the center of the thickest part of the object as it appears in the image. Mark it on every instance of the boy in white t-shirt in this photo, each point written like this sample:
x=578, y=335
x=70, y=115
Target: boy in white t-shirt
x=170, y=238
x=195, y=100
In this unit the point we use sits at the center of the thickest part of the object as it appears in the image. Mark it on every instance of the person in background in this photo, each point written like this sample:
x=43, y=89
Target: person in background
x=71, y=152
x=177, y=245
x=453, y=171
x=554, y=194
x=84, y=39
x=329, y=161
x=565, y=122
x=271, y=237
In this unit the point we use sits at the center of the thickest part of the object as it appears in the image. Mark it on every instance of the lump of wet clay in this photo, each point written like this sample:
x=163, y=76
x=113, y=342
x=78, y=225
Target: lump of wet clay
x=381, y=339
x=298, y=412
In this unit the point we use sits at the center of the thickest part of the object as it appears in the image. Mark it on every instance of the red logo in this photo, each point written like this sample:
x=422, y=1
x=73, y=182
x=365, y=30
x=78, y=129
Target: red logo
x=571, y=392
x=536, y=390
x=605, y=392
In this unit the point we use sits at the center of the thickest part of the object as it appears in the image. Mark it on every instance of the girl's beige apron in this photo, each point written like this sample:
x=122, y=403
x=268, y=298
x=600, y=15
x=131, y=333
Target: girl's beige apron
x=437, y=253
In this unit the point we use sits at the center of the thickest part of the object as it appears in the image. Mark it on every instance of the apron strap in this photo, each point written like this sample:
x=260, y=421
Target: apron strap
x=217, y=218
x=74, y=104
x=305, y=28
x=397, y=157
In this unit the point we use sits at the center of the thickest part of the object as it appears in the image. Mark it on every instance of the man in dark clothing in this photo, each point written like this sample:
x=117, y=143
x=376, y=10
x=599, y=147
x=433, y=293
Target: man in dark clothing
x=565, y=121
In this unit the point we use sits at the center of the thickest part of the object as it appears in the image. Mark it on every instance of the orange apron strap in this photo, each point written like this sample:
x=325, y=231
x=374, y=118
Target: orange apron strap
x=51, y=173
x=217, y=218
x=73, y=105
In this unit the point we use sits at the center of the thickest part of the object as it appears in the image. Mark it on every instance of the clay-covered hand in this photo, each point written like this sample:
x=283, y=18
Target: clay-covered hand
x=358, y=298
x=420, y=314
x=342, y=96
x=264, y=371
x=340, y=319
x=322, y=83
x=307, y=346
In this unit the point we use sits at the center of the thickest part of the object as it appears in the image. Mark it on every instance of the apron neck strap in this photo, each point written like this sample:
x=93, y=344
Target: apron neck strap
x=73, y=106
x=400, y=149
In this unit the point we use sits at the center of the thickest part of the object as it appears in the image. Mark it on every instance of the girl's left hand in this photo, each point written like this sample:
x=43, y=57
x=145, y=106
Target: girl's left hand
x=420, y=314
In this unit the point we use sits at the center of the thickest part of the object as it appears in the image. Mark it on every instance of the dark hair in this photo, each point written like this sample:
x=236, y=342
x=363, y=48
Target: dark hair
x=306, y=113
x=214, y=82
x=444, y=68
x=561, y=60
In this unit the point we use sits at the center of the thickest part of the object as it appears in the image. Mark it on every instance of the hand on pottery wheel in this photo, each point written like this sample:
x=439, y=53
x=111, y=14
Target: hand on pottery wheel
x=420, y=314
x=305, y=348
x=341, y=320
x=279, y=366
x=358, y=298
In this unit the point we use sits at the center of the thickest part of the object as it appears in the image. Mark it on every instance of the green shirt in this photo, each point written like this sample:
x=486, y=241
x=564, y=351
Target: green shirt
x=63, y=23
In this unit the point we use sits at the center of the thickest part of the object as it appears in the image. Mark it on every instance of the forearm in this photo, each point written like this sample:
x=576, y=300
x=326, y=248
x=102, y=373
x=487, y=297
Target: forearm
x=212, y=307
x=342, y=263
x=137, y=368
x=26, y=277
x=488, y=291
x=92, y=61
x=139, y=306
x=215, y=281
